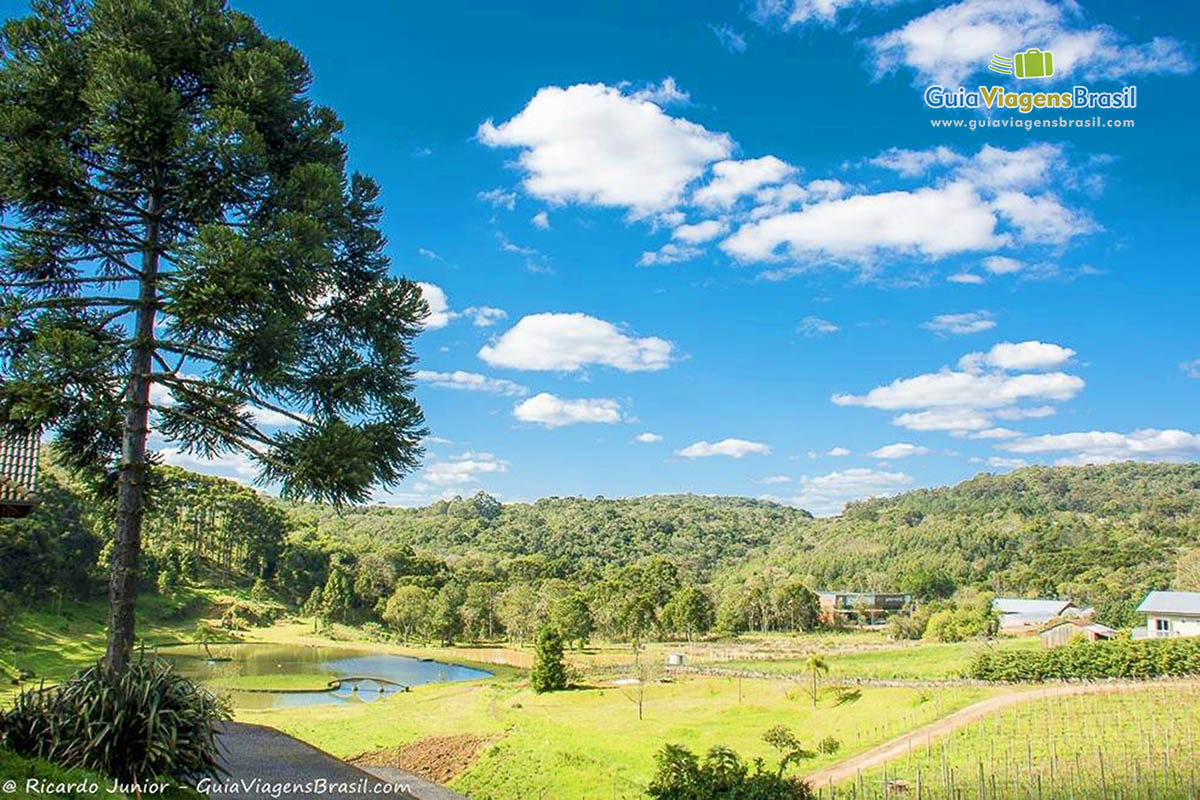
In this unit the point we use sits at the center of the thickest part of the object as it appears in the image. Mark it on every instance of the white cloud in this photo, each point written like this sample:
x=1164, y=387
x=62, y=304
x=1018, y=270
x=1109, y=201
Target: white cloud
x=944, y=419
x=541, y=220
x=1006, y=463
x=592, y=144
x=463, y=469
x=1103, y=447
x=733, y=448
x=700, y=232
x=234, y=466
x=425, y=252
x=1043, y=219
x=485, y=316
x=815, y=326
x=1191, y=368
x=1037, y=412
x=951, y=43
x=570, y=342
x=932, y=222
x=899, y=450
x=774, y=479
x=950, y=389
x=838, y=452
x=911, y=163
x=1028, y=355
x=669, y=253
x=268, y=416
x=499, y=198
x=554, y=412
x=825, y=495
x=797, y=12
x=648, y=438
x=996, y=433
x=730, y=39
x=959, y=324
x=440, y=314
x=734, y=179
x=663, y=93
x=1002, y=265
x=965, y=277
x=471, y=381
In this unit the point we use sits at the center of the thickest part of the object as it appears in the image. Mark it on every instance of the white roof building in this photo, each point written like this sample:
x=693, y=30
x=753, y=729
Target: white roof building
x=1017, y=613
x=1169, y=614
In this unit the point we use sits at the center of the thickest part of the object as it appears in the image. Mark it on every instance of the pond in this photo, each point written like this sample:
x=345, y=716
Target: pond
x=291, y=673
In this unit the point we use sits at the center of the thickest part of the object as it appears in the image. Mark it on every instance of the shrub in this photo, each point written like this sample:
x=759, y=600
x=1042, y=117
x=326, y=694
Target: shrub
x=8, y=611
x=549, y=674
x=720, y=776
x=143, y=724
x=1084, y=660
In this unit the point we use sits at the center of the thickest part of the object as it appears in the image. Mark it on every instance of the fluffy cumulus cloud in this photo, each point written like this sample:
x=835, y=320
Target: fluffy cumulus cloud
x=891, y=452
x=1018, y=356
x=554, y=412
x=825, y=495
x=732, y=448
x=1105, y=447
x=952, y=43
x=838, y=452
x=471, y=382
x=440, y=314
x=462, y=470
x=734, y=179
x=1002, y=265
x=986, y=386
x=965, y=277
x=485, y=316
x=571, y=342
x=648, y=438
x=595, y=144
x=700, y=232
x=930, y=222
x=958, y=324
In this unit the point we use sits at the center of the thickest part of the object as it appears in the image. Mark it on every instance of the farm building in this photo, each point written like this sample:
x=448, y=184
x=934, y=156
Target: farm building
x=1169, y=614
x=865, y=607
x=1068, y=630
x=18, y=474
x=1019, y=615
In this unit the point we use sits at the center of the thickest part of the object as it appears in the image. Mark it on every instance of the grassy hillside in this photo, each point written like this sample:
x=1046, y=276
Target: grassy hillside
x=694, y=531
x=1100, y=535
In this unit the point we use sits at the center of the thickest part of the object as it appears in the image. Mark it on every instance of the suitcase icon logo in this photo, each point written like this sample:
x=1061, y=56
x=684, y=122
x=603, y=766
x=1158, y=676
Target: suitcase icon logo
x=1033, y=63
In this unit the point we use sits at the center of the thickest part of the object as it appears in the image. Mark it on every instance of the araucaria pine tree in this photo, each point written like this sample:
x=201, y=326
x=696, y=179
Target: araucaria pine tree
x=549, y=673
x=184, y=250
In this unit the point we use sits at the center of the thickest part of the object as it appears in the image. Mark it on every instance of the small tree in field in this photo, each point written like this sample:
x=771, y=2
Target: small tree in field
x=816, y=666
x=182, y=247
x=549, y=673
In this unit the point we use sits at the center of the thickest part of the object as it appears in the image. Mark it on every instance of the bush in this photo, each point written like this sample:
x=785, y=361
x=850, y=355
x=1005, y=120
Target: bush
x=144, y=724
x=549, y=674
x=720, y=776
x=8, y=611
x=1084, y=660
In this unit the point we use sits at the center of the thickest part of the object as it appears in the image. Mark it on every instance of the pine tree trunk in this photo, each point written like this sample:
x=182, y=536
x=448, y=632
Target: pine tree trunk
x=131, y=477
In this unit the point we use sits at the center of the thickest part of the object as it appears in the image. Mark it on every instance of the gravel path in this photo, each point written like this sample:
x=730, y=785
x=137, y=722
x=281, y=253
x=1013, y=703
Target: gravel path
x=896, y=748
x=265, y=764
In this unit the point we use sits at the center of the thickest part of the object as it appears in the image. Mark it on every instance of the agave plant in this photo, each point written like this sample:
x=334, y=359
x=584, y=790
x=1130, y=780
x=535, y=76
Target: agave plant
x=146, y=723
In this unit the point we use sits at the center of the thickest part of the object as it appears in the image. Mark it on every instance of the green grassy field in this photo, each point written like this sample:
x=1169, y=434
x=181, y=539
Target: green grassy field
x=921, y=660
x=590, y=743
x=1143, y=744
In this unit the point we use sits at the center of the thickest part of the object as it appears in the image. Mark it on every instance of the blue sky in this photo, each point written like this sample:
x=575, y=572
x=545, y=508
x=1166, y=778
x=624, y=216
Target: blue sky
x=731, y=230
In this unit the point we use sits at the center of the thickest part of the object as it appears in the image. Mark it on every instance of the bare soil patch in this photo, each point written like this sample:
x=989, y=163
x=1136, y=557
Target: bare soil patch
x=439, y=758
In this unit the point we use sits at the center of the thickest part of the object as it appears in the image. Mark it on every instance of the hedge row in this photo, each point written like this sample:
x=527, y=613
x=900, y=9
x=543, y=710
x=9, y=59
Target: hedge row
x=1083, y=660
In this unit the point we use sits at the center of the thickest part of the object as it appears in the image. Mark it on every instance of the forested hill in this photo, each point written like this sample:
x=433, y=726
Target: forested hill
x=697, y=532
x=1102, y=535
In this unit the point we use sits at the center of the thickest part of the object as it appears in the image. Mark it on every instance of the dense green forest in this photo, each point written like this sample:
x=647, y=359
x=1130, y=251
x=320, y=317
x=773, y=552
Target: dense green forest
x=670, y=565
